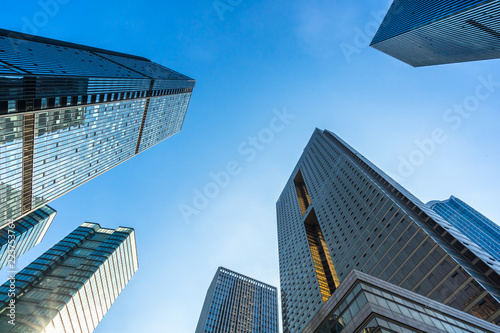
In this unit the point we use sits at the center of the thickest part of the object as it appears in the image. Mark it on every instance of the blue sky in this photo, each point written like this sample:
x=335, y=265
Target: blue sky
x=263, y=58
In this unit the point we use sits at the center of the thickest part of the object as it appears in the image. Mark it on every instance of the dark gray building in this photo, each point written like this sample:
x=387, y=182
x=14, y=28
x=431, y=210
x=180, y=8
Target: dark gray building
x=339, y=212
x=423, y=33
x=480, y=229
x=70, y=287
x=69, y=113
x=237, y=303
x=364, y=304
x=17, y=238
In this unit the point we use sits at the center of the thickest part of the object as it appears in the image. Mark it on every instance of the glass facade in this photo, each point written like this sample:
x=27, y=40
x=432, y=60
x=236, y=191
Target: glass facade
x=477, y=227
x=405, y=15
x=28, y=232
x=423, y=33
x=370, y=223
x=71, y=286
x=387, y=308
x=236, y=303
x=70, y=112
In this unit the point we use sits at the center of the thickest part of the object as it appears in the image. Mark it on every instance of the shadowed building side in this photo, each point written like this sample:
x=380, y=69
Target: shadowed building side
x=237, y=303
x=365, y=304
x=359, y=218
x=425, y=33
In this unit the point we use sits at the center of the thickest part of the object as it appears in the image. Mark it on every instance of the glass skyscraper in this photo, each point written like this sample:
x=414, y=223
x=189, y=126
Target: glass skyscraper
x=477, y=227
x=338, y=212
x=423, y=33
x=70, y=112
x=25, y=233
x=71, y=286
x=237, y=303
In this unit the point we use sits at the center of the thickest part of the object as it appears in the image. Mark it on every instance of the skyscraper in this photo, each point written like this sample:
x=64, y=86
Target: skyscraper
x=25, y=233
x=339, y=212
x=480, y=229
x=71, y=286
x=70, y=112
x=423, y=33
x=236, y=303
x=365, y=304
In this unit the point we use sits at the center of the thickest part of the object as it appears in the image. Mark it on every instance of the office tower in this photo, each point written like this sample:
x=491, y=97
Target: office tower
x=366, y=304
x=424, y=33
x=20, y=236
x=237, y=303
x=477, y=227
x=70, y=112
x=71, y=286
x=339, y=212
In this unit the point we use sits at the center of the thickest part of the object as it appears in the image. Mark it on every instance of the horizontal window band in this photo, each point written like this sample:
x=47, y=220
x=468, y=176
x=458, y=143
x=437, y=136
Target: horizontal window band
x=26, y=106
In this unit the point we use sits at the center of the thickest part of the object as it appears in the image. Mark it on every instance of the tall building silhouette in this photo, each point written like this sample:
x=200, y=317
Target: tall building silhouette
x=423, y=33
x=237, y=303
x=338, y=212
x=19, y=237
x=69, y=113
x=71, y=286
x=477, y=227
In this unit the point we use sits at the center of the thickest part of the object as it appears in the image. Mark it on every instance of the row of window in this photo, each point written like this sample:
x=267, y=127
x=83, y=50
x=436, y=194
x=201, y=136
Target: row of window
x=36, y=104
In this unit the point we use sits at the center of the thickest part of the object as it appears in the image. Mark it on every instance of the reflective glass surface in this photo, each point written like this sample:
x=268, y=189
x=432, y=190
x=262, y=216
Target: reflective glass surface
x=405, y=15
x=70, y=112
x=471, y=223
x=72, y=286
x=393, y=309
x=424, y=32
x=236, y=303
x=27, y=232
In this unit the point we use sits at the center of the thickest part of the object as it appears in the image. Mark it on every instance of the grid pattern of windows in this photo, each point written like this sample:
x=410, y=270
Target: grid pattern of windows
x=72, y=112
x=471, y=223
x=372, y=224
x=71, y=286
x=236, y=303
x=164, y=118
x=423, y=33
x=27, y=232
x=387, y=308
x=11, y=166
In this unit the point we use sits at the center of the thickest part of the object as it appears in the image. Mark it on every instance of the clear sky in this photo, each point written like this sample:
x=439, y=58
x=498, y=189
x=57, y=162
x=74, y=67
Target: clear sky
x=263, y=58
